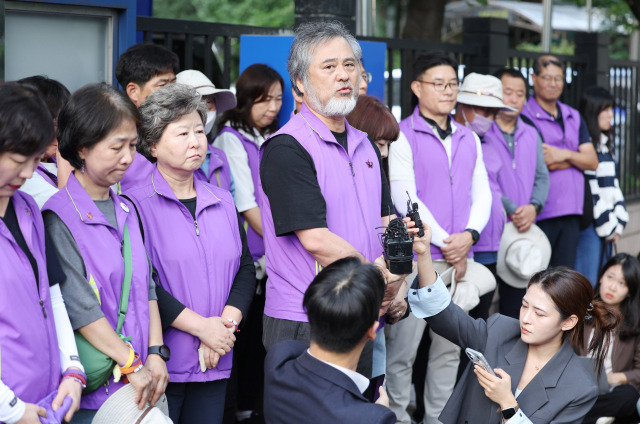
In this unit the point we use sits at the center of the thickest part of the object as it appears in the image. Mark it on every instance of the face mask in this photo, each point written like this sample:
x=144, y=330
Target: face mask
x=480, y=124
x=211, y=119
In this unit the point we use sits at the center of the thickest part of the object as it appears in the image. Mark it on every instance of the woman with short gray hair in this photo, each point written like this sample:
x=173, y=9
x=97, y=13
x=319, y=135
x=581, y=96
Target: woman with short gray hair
x=201, y=257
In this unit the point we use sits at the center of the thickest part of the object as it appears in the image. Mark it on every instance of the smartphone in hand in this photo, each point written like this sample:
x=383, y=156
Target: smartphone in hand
x=478, y=359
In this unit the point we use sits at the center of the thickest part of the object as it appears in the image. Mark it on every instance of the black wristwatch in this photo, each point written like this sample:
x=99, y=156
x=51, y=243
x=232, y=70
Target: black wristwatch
x=537, y=207
x=509, y=412
x=474, y=235
x=163, y=351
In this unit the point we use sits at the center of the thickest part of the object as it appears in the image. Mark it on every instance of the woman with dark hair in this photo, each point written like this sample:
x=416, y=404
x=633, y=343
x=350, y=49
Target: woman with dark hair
x=619, y=287
x=44, y=182
x=245, y=128
x=96, y=233
x=374, y=118
x=39, y=354
x=537, y=377
x=201, y=258
x=609, y=211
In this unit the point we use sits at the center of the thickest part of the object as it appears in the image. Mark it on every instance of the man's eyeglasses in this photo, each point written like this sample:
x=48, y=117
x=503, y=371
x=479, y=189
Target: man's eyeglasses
x=442, y=86
x=558, y=79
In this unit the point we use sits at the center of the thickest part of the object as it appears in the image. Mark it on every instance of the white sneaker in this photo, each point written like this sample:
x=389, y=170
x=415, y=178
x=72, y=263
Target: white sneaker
x=605, y=420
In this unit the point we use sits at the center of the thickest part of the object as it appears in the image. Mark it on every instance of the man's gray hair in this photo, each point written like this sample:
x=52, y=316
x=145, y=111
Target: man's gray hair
x=162, y=107
x=308, y=37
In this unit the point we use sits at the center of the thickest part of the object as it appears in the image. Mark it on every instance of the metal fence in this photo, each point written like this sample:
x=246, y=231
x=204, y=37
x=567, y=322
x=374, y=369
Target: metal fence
x=214, y=49
x=210, y=47
x=623, y=83
x=575, y=66
x=400, y=57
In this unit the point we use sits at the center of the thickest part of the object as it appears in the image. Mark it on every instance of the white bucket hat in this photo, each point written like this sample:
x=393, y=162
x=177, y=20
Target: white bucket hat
x=225, y=99
x=522, y=254
x=121, y=408
x=482, y=90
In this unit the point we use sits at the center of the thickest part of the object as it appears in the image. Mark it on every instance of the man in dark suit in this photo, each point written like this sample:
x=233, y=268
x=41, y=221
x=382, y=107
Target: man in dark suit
x=319, y=384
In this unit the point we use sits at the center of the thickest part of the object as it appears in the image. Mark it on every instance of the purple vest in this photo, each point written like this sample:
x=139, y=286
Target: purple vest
x=492, y=232
x=100, y=246
x=196, y=261
x=255, y=242
x=518, y=173
x=30, y=360
x=566, y=186
x=445, y=191
x=137, y=172
x=219, y=173
x=351, y=187
x=49, y=177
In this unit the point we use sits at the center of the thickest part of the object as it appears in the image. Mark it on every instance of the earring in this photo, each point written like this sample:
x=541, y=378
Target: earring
x=82, y=168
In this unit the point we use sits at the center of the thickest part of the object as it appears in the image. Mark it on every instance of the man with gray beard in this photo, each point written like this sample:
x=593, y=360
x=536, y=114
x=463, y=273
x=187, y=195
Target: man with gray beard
x=324, y=193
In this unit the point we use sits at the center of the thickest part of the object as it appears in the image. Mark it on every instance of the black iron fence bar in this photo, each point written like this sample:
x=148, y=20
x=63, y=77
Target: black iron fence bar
x=417, y=45
x=535, y=55
x=179, y=26
x=617, y=63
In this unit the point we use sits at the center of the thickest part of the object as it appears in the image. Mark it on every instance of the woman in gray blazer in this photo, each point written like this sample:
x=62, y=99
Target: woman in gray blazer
x=539, y=377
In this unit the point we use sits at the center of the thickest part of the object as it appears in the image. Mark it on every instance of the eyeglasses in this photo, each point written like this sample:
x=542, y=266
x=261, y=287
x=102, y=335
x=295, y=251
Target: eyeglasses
x=558, y=79
x=366, y=76
x=442, y=86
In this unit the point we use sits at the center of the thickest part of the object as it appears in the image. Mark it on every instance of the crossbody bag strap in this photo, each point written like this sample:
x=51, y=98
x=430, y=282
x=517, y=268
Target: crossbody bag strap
x=126, y=283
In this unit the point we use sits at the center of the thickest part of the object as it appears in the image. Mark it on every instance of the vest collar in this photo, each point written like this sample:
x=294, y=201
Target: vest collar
x=87, y=210
x=214, y=160
x=536, y=111
x=205, y=196
x=354, y=137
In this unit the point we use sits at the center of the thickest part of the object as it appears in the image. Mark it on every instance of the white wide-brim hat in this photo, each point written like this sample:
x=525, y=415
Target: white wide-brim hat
x=482, y=90
x=121, y=408
x=522, y=254
x=225, y=99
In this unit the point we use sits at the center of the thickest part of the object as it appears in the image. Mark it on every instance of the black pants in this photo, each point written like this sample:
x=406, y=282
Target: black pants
x=563, y=233
x=245, y=385
x=619, y=403
x=196, y=403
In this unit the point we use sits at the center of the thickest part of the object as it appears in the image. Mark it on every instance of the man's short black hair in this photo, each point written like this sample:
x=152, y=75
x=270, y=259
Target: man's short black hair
x=514, y=73
x=89, y=116
x=54, y=94
x=26, y=128
x=430, y=60
x=143, y=61
x=543, y=61
x=342, y=303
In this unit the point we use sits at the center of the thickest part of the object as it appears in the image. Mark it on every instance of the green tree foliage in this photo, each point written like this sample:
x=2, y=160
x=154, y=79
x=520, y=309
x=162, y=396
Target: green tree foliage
x=269, y=13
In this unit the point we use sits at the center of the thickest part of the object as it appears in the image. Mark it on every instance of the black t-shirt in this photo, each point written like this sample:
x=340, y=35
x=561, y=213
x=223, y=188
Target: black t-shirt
x=191, y=205
x=54, y=270
x=289, y=179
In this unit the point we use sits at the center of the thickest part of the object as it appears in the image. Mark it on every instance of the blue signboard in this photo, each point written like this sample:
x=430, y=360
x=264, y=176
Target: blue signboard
x=273, y=50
